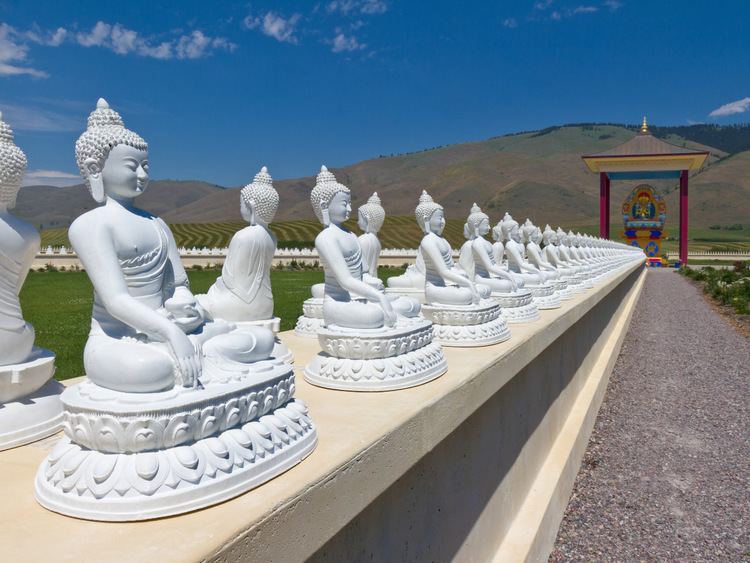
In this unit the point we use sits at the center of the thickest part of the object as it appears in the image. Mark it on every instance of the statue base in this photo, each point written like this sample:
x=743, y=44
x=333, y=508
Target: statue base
x=467, y=325
x=311, y=321
x=545, y=296
x=562, y=289
x=383, y=359
x=30, y=407
x=517, y=306
x=414, y=293
x=137, y=456
x=280, y=350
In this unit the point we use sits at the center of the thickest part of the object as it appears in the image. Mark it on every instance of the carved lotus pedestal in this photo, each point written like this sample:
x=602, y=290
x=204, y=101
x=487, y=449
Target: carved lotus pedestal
x=545, y=296
x=382, y=359
x=280, y=350
x=135, y=456
x=562, y=289
x=310, y=321
x=518, y=306
x=30, y=407
x=467, y=325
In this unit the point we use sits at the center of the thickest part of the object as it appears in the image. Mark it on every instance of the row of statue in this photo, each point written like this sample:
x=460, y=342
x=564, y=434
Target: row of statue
x=189, y=399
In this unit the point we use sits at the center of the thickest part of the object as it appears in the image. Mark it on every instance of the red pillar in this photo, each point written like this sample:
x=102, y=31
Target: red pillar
x=684, y=217
x=603, y=205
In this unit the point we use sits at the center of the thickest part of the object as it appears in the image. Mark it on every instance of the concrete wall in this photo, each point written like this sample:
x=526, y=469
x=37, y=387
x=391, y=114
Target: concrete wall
x=461, y=499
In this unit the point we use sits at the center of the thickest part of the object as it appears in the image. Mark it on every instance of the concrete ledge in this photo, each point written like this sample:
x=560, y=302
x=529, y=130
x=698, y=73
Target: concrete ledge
x=473, y=465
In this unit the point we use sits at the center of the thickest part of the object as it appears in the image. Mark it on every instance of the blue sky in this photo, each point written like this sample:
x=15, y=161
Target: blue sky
x=220, y=88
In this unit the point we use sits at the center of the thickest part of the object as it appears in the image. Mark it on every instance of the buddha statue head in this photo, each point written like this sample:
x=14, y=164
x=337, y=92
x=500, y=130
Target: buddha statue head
x=548, y=236
x=259, y=200
x=527, y=230
x=572, y=239
x=12, y=167
x=497, y=232
x=430, y=216
x=536, y=235
x=562, y=238
x=113, y=160
x=477, y=224
x=510, y=228
x=371, y=215
x=330, y=200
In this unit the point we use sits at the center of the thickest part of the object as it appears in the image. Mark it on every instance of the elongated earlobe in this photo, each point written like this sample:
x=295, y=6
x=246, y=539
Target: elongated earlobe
x=325, y=214
x=94, y=177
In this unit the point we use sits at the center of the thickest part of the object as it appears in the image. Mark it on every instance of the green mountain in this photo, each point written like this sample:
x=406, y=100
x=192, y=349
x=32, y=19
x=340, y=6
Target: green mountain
x=537, y=174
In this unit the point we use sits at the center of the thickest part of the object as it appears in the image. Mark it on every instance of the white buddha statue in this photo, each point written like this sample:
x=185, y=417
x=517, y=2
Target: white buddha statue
x=458, y=306
x=164, y=381
x=498, y=247
x=477, y=260
x=535, y=256
x=535, y=280
x=370, y=218
x=29, y=399
x=242, y=294
x=551, y=255
x=354, y=311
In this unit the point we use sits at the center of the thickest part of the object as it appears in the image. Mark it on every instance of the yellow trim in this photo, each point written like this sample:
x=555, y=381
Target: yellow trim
x=642, y=163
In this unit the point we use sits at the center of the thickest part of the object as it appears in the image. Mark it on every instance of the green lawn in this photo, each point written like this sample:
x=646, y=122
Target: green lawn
x=58, y=304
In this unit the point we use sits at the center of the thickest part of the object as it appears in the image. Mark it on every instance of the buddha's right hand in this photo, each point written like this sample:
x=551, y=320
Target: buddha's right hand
x=389, y=315
x=187, y=356
x=475, y=297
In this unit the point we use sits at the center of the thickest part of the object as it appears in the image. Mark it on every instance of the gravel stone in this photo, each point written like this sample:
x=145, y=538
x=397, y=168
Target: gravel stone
x=666, y=474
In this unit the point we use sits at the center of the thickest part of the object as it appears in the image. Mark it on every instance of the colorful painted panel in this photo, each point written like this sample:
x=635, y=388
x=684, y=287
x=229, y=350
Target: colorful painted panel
x=644, y=213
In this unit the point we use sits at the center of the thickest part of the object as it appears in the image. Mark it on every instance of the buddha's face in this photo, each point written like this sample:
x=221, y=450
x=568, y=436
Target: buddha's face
x=125, y=173
x=362, y=221
x=497, y=234
x=484, y=227
x=536, y=237
x=340, y=207
x=515, y=233
x=436, y=224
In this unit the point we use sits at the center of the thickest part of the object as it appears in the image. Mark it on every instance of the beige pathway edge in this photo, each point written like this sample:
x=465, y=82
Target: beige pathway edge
x=531, y=537
x=367, y=441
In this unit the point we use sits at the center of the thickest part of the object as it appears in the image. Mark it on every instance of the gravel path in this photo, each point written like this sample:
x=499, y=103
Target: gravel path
x=666, y=475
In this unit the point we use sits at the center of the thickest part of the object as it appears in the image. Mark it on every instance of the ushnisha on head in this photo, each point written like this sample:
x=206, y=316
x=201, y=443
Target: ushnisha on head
x=105, y=132
x=476, y=222
x=509, y=226
x=260, y=198
x=371, y=215
x=426, y=211
x=327, y=193
x=12, y=167
x=527, y=230
x=548, y=235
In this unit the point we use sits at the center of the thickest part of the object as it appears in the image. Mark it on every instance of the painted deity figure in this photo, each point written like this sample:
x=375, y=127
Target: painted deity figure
x=370, y=218
x=439, y=265
x=148, y=332
x=476, y=256
x=19, y=243
x=243, y=291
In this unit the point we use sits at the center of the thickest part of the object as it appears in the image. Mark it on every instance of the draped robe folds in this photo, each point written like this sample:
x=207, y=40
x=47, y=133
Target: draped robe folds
x=243, y=292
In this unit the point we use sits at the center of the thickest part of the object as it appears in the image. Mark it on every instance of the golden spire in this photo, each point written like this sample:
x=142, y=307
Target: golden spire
x=644, y=126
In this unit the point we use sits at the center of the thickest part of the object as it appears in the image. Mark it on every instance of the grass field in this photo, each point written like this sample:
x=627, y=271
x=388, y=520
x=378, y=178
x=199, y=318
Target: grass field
x=401, y=232
x=58, y=304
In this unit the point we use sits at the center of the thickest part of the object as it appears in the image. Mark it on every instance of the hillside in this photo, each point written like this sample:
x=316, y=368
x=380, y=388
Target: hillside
x=536, y=174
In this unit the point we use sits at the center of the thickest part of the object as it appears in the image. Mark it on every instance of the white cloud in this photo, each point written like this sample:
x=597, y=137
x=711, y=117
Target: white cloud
x=369, y=7
x=543, y=4
x=124, y=41
x=12, y=50
x=556, y=15
x=510, y=23
x=739, y=106
x=50, y=178
x=345, y=43
x=585, y=10
x=35, y=118
x=613, y=5
x=276, y=26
